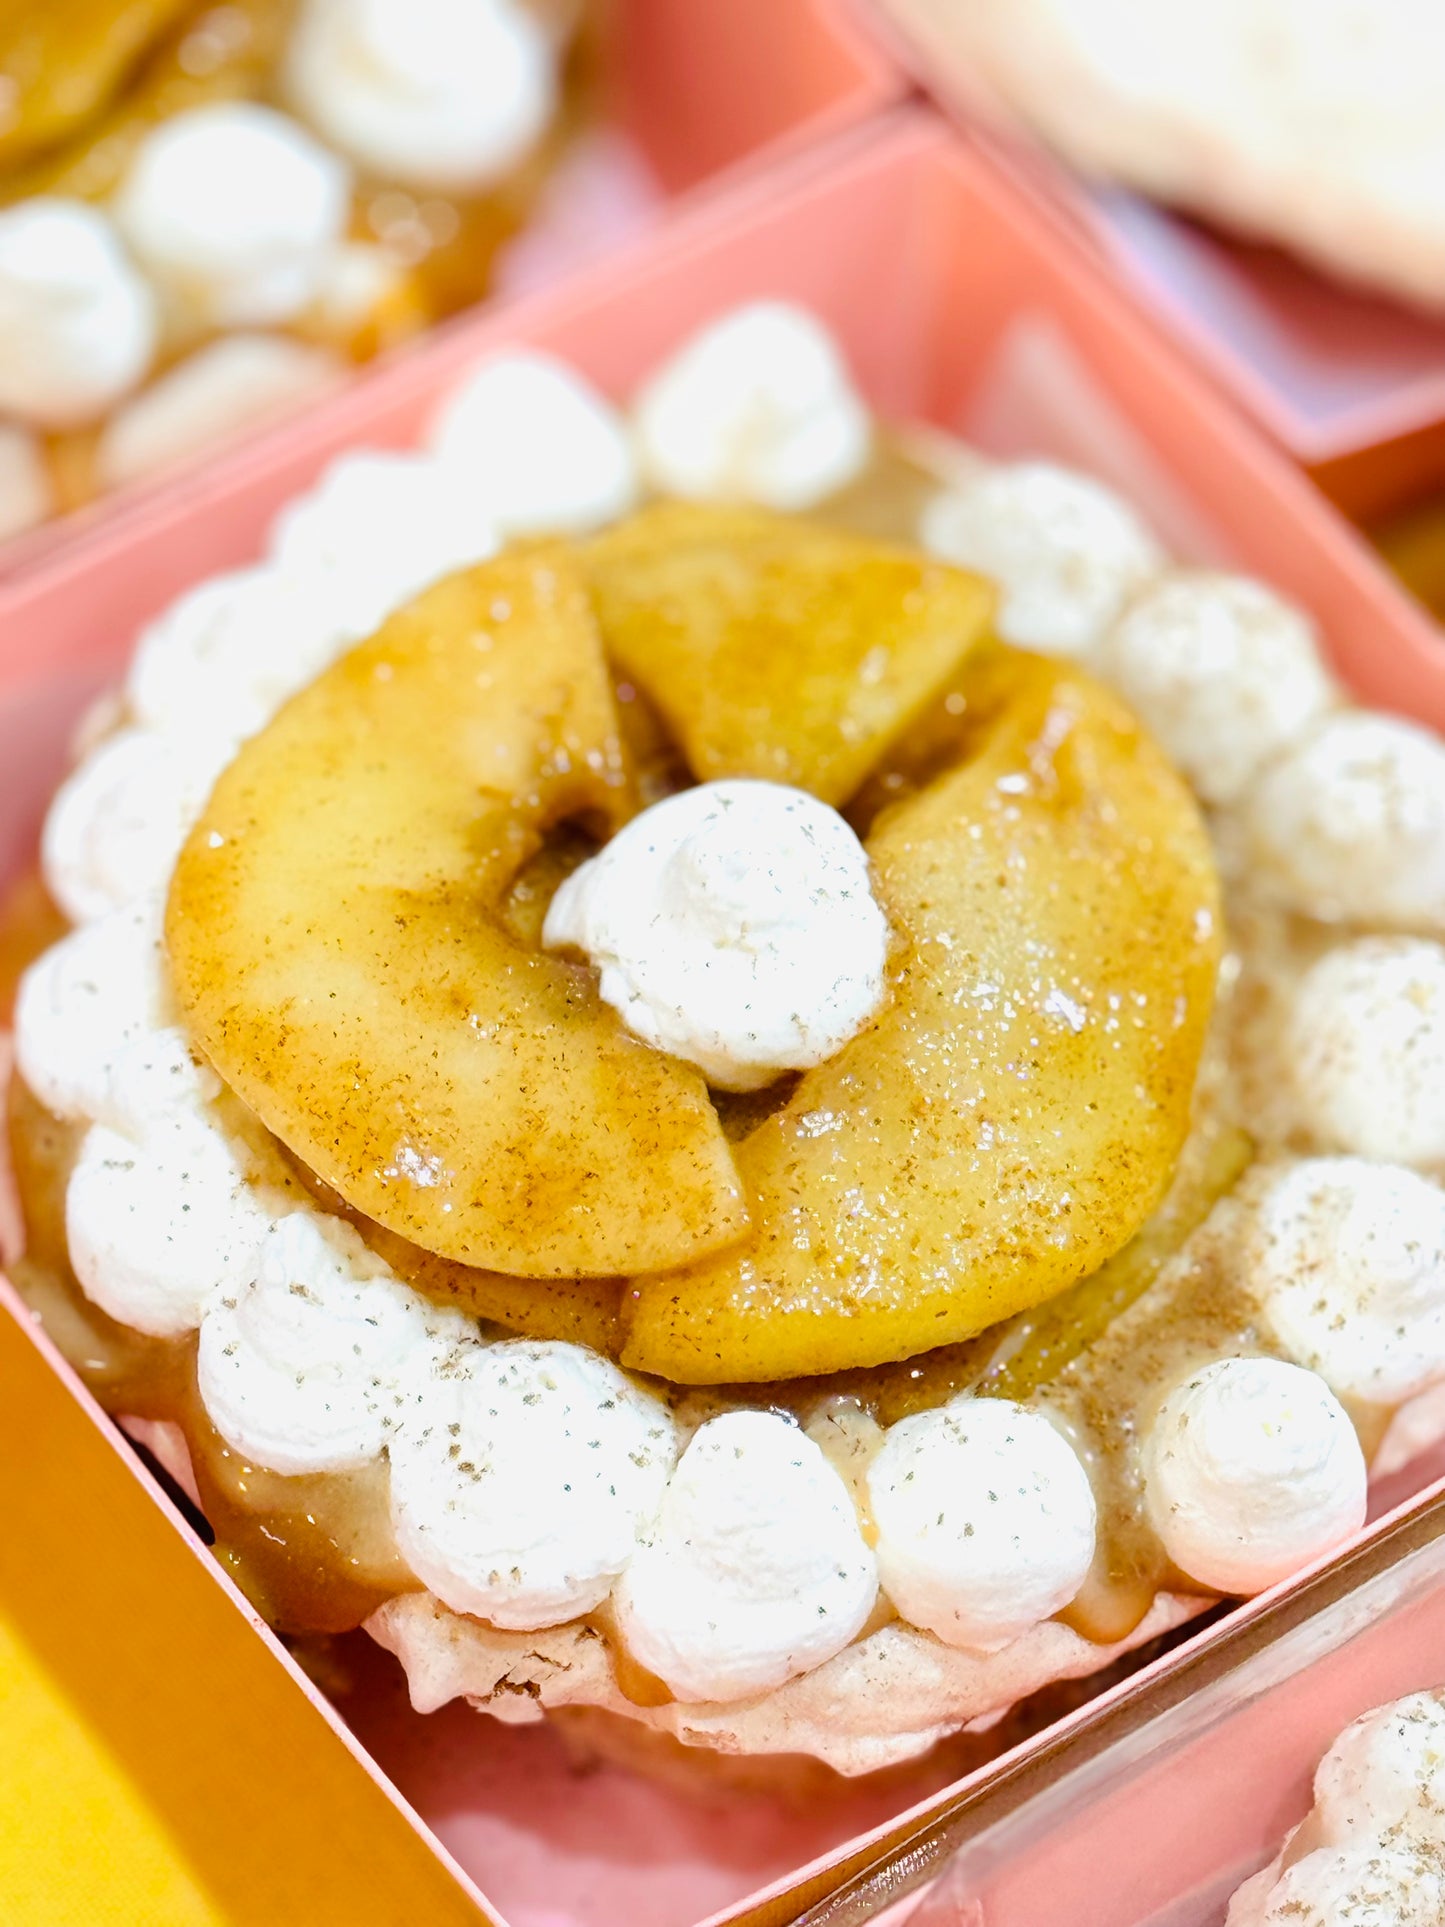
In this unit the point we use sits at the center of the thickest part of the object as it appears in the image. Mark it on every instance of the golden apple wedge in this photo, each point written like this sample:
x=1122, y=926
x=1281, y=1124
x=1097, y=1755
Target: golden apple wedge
x=778, y=648
x=334, y=938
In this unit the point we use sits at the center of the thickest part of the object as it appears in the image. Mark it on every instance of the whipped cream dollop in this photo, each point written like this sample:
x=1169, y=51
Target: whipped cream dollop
x=77, y=320
x=440, y=94
x=1347, y=1262
x=298, y=1366
x=985, y=1517
x=756, y=407
x=83, y=1000
x=225, y=655
x=1065, y=551
x=161, y=1218
x=116, y=824
x=376, y=531
x=1349, y=825
x=1374, y=1835
x=1221, y=671
x=156, y=1078
x=755, y=1568
x=234, y=209
x=521, y=1475
x=1364, y=1044
x=223, y=389
x=1251, y=1469
x=733, y=925
x=538, y=447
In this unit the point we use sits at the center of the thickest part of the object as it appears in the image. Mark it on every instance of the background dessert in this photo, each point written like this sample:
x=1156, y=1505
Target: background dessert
x=1370, y=1845
x=207, y=213
x=1313, y=128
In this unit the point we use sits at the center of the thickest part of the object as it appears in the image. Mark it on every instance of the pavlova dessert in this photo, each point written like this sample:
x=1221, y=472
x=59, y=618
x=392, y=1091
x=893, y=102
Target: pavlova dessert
x=730, y=1065
x=1371, y=1850
x=208, y=211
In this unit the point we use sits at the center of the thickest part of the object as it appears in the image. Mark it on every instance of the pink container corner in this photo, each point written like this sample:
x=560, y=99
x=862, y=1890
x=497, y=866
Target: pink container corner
x=694, y=96
x=956, y=302
x=1330, y=370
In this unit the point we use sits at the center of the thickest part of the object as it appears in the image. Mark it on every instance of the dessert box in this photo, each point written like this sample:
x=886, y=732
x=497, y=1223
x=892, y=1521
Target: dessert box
x=1331, y=371
x=956, y=302
x=686, y=95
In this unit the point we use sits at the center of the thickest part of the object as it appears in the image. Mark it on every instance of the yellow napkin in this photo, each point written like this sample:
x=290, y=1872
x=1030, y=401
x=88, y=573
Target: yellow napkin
x=158, y=1768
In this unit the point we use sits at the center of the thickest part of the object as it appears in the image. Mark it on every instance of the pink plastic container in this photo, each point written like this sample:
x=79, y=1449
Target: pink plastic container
x=693, y=95
x=956, y=303
x=1328, y=369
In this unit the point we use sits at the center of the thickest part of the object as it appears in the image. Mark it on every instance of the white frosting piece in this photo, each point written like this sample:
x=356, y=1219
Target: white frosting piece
x=298, y=1366
x=1350, y=825
x=985, y=1520
x=540, y=449
x=376, y=531
x=117, y=822
x=160, y=1222
x=26, y=494
x=1373, y=1885
x=1251, y=1469
x=83, y=1001
x=155, y=1079
x=755, y=1569
x=1365, y=1048
x=1347, y=1262
x=733, y=925
x=756, y=407
x=521, y=1475
x=77, y=322
x=1065, y=551
x=441, y=94
x=1386, y=1772
x=224, y=389
x=234, y=209
x=227, y=654
x=1222, y=672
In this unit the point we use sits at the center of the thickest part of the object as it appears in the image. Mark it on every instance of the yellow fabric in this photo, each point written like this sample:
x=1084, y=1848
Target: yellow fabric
x=157, y=1767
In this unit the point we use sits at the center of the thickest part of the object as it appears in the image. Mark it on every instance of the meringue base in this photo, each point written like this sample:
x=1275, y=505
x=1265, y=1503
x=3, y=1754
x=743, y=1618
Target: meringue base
x=888, y=1698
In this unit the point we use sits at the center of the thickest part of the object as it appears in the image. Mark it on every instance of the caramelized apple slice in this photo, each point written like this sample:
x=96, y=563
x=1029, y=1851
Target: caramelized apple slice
x=335, y=936
x=1063, y=1330
x=1015, y=1113
x=63, y=60
x=777, y=648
